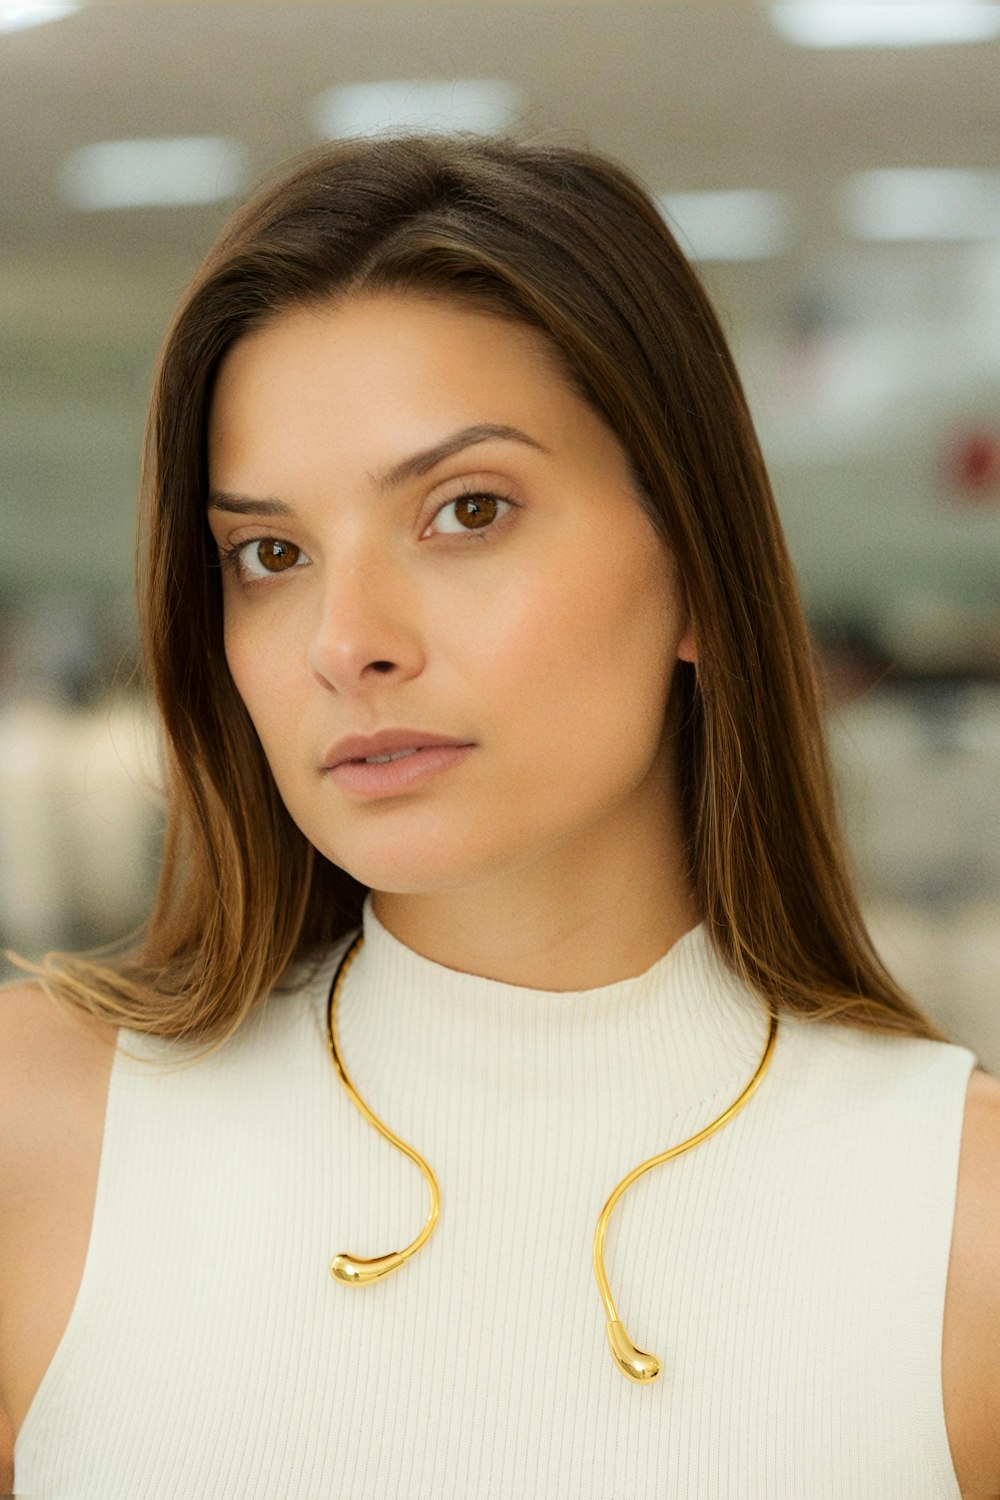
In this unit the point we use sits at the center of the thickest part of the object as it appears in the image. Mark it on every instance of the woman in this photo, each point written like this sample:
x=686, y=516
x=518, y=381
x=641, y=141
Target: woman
x=503, y=870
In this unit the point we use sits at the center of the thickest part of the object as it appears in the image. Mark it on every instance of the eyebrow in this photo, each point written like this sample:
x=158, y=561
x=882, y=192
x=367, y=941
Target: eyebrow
x=391, y=478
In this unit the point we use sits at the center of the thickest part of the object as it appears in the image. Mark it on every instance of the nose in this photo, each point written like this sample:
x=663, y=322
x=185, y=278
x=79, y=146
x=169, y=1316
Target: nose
x=366, y=627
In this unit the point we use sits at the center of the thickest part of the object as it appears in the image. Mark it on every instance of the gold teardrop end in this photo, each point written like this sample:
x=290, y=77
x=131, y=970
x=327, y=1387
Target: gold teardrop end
x=353, y=1271
x=633, y=1362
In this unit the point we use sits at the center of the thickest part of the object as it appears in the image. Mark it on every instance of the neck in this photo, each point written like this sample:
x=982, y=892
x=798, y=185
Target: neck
x=580, y=919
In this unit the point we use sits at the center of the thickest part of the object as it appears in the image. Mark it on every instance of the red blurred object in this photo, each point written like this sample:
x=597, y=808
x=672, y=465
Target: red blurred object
x=972, y=468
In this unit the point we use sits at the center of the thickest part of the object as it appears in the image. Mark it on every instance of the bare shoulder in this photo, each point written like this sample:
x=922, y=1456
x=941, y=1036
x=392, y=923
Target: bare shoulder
x=53, y=1067
x=971, y=1373
x=42, y=1046
x=51, y=1062
x=27, y=1013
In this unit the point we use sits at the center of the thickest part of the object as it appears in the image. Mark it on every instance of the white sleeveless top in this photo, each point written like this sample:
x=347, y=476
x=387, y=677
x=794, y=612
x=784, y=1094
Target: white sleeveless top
x=789, y=1271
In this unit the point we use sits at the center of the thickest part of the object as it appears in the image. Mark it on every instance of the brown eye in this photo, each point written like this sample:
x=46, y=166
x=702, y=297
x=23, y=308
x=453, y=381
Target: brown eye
x=261, y=558
x=275, y=555
x=477, y=510
x=474, y=511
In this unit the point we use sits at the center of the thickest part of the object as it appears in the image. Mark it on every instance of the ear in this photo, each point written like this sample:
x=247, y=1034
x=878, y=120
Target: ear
x=687, y=646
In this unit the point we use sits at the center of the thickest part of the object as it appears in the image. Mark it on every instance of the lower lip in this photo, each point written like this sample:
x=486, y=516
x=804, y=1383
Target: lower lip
x=396, y=776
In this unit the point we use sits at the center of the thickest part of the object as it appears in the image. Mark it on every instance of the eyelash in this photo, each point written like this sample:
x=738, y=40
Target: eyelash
x=470, y=492
x=229, y=556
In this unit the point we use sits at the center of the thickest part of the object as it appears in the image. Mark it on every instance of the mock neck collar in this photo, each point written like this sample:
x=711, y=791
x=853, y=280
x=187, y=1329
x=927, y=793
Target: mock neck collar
x=459, y=989
x=682, y=1031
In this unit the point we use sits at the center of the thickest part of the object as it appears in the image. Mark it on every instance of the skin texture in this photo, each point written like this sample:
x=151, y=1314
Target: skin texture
x=550, y=857
x=548, y=638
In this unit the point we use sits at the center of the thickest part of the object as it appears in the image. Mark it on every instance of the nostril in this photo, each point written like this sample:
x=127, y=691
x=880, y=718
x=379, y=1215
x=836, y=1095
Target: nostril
x=382, y=666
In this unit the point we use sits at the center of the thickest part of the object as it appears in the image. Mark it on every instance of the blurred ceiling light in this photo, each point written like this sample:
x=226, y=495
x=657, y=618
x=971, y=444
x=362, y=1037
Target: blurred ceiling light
x=165, y=172
x=400, y=104
x=922, y=203
x=741, y=224
x=885, y=23
x=20, y=17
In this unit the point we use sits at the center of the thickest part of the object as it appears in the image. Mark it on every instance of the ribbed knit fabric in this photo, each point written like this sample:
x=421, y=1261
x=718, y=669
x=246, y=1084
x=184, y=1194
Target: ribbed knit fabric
x=789, y=1272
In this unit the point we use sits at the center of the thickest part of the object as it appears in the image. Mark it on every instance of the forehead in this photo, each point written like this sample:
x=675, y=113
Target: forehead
x=378, y=374
x=388, y=337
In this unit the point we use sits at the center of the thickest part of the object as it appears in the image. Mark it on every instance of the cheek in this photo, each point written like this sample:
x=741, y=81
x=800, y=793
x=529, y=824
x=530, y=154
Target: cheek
x=265, y=673
x=582, y=653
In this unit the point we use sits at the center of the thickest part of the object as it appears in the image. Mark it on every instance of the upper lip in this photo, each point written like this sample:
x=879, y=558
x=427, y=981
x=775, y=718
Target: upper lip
x=359, y=746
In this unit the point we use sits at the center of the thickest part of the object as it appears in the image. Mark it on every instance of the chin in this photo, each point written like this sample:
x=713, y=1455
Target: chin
x=417, y=871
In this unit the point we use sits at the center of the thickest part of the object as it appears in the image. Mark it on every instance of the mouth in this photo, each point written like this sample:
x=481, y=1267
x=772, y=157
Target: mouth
x=396, y=771
x=386, y=746
x=382, y=760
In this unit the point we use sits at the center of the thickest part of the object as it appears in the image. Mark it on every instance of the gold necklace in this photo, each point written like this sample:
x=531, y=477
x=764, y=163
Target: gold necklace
x=354, y=1271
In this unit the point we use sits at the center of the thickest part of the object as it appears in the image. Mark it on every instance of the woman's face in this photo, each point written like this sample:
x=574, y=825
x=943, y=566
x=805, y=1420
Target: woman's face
x=508, y=594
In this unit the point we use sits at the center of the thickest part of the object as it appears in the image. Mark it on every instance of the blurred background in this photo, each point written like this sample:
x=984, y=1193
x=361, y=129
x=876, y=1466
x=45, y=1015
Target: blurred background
x=834, y=171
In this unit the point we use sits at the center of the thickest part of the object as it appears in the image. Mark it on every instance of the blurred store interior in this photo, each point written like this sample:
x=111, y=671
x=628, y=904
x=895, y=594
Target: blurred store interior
x=834, y=170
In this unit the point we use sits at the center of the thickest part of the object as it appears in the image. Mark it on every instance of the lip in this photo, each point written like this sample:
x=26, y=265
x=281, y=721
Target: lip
x=393, y=778
x=359, y=747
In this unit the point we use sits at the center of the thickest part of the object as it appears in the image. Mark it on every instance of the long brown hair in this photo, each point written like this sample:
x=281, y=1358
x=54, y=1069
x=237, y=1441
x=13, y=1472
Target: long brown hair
x=565, y=240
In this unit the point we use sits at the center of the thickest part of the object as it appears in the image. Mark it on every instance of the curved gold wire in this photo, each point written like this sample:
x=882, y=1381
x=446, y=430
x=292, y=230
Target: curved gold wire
x=353, y=1271
x=633, y=1362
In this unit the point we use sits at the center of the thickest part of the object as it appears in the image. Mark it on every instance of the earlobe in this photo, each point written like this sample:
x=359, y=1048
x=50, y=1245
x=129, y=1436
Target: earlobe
x=687, y=646
x=687, y=649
